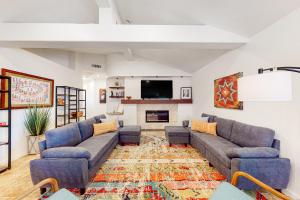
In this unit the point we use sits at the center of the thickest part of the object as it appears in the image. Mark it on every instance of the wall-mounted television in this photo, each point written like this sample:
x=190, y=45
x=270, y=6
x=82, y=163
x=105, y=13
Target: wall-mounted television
x=156, y=89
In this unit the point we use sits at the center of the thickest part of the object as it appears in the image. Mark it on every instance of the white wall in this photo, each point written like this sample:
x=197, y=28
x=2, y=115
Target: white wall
x=24, y=61
x=118, y=65
x=277, y=45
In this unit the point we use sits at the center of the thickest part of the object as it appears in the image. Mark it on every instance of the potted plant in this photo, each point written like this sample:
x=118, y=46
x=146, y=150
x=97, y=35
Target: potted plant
x=37, y=120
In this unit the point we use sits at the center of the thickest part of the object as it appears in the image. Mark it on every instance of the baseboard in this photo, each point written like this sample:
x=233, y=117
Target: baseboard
x=291, y=194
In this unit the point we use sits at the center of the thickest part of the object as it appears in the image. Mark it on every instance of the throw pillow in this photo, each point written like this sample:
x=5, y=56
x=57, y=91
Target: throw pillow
x=204, y=127
x=105, y=127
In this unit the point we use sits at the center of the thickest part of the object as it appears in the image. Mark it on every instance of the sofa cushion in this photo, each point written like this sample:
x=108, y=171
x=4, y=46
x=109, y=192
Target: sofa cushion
x=86, y=128
x=215, y=145
x=251, y=136
x=98, y=145
x=99, y=117
x=224, y=127
x=211, y=118
x=68, y=135
x=252, y=152
x=66, y=152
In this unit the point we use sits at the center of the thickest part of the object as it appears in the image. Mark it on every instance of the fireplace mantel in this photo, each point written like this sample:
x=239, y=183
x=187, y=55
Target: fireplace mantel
x=157, y=101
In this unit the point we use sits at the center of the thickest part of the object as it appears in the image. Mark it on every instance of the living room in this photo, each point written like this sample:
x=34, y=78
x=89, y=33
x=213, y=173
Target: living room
x=171, y=104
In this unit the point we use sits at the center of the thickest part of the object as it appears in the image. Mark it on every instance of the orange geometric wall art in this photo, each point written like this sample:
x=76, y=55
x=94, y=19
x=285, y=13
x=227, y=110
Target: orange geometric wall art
x=226, y=92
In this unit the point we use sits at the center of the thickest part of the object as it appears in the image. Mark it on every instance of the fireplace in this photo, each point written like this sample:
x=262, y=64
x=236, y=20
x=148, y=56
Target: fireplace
x=157, y=116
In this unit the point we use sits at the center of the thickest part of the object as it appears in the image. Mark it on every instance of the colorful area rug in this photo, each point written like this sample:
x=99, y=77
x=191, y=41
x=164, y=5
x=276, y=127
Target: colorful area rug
x=154, y=170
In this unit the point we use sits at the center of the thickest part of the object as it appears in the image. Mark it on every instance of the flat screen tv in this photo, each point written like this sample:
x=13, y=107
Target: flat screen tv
x=156, y=89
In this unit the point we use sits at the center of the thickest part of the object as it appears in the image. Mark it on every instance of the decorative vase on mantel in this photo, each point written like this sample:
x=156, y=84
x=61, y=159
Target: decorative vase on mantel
x=36, y=123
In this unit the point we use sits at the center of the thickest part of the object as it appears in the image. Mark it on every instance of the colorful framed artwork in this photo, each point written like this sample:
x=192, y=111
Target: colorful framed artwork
x=28, y=90
x=186, y=93
x=226, y=92
x=102, y=95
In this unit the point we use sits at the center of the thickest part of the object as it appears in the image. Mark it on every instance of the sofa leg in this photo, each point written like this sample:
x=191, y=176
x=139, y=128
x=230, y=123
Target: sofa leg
x=82, y=191
x=43, y=190
x=210, y=164
x=170, y=145
x=185, y=144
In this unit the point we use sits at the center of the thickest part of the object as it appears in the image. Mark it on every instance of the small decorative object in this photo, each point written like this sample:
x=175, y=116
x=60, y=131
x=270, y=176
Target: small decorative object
x=128, y=97
x=76, y=114
x=185, y=123
x=36, y=122
x=102, y=95
x=226, y=92
x=117, y=83
x=60, y=101
x=3, y=124
x=186, y=93
x=28, y=90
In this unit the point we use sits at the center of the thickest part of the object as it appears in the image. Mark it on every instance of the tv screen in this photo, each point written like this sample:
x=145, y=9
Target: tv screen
x=158, y=89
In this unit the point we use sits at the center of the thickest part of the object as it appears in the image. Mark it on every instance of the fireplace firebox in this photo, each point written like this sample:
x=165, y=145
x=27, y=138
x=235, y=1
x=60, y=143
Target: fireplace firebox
x=157, y=116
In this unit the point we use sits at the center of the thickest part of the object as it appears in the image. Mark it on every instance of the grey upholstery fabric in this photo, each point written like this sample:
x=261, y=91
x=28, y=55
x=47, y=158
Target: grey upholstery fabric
x=218, y=164
x=86, y=128
x=274, y=172
x=177, y=135
x=130, y=130
x=252, y=152
x=211, y=118
x=177, y=131
x=103, y=158
x=69, y=172
x=66, y=152
x=218, y=147
x=42, y=146
x=196, y=143
x=129, y=139
x=99, y=117
x=224, y=127
x=98, y=145
x=276, y=144
x=68, y=135
x=251, y=136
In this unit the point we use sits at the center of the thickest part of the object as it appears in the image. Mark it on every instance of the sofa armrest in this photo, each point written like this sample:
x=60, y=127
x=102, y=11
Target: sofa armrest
x=121, y=123
x=252, y=152
x=42, y=146
x=274, y=172
x=66, y=152
x=70, y=173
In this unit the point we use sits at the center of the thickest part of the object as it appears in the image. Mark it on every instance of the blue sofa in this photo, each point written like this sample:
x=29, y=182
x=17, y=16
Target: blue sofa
x=243, y=147
x=71, y=155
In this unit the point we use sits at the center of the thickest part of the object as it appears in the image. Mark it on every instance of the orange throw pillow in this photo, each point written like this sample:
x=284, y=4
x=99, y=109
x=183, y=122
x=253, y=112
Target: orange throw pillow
x=105, y=127
x=204, y=127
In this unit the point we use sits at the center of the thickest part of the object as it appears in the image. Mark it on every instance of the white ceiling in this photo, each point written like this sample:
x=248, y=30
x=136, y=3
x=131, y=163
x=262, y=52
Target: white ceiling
x=243, y=17
x=49, y=11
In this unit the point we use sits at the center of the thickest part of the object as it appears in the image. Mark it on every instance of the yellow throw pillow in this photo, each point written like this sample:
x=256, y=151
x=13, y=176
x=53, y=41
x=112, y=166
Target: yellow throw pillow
x=105, y=127
x=204, y=127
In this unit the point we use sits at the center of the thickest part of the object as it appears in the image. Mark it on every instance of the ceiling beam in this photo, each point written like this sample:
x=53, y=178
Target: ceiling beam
x=74, y=35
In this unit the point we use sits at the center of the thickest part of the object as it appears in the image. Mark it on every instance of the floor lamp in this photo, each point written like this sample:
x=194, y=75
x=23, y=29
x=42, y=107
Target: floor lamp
x=273, y=86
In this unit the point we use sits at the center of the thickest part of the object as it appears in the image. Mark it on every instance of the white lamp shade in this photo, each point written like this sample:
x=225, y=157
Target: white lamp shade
x=273, y=86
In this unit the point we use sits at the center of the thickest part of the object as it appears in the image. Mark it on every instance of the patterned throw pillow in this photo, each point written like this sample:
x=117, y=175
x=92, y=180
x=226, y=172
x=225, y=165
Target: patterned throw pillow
x=204, y=127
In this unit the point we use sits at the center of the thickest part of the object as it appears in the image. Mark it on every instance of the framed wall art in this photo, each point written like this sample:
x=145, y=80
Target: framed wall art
x=226, y=92
x=102, y=95
x=28, y=90
x=186, y=93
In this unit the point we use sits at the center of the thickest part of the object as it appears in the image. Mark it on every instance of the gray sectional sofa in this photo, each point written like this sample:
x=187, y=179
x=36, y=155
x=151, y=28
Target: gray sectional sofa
x=243, y=147
x=72, y=156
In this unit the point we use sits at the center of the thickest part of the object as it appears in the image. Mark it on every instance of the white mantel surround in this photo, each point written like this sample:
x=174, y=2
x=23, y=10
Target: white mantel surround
x=141, y=115
x=136, y=114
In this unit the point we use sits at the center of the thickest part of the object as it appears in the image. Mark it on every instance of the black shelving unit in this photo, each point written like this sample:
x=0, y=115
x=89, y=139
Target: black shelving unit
x=82, y=101
x=6, y=94
x=72, y=103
